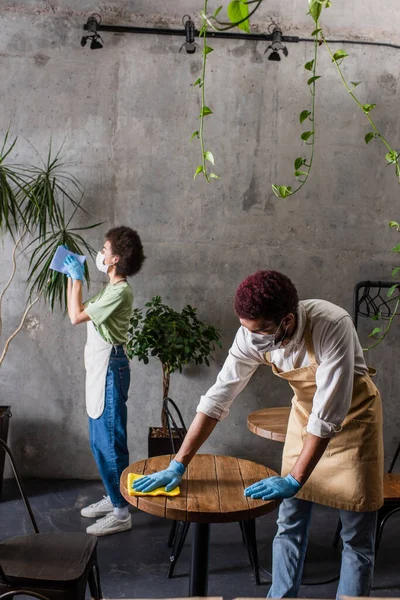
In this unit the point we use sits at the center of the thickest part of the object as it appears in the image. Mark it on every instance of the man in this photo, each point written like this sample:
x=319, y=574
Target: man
x=333, y=453
x=107, y=368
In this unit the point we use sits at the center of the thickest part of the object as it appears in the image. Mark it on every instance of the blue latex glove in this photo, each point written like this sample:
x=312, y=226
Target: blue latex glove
x=273, y=488
x=66, y=247
x=75, y=269
x=170, y=478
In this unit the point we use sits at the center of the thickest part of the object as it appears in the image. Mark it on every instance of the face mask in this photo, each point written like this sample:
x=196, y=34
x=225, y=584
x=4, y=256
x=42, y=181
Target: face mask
x=265, y=342
x=100, y=263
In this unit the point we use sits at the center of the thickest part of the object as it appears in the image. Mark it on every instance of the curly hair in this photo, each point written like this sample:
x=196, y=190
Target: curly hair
x=125, y=243
x=266, y=294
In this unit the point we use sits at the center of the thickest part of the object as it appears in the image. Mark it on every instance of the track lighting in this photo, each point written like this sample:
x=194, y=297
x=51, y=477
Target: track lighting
x=92, y=26
x=276, y=46
x=189, y=44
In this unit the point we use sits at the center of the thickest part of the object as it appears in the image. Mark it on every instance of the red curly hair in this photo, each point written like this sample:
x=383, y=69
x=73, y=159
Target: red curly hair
x=266, y=294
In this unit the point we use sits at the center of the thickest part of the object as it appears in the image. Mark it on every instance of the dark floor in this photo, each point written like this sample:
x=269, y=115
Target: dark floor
x=134, y=564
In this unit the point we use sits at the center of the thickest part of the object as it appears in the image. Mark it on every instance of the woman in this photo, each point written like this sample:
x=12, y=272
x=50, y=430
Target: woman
x=107, y=368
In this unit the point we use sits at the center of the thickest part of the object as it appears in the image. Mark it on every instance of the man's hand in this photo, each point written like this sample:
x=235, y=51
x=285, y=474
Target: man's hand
x=170, y=478
x=273, y=488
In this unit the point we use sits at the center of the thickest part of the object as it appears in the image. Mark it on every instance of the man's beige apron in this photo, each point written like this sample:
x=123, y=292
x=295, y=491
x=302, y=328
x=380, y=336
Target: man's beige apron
x=97, y=357
x=349, y=475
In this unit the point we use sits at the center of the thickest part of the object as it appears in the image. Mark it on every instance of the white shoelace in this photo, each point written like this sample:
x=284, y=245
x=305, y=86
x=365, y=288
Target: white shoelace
x=101, y=503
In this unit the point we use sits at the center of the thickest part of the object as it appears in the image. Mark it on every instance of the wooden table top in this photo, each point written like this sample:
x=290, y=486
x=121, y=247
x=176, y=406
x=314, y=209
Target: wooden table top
x=270, y=423
x=211, y=490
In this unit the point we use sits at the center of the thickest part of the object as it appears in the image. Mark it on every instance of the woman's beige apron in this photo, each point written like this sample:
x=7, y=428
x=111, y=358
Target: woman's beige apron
x=349, y=475
x=97, y=357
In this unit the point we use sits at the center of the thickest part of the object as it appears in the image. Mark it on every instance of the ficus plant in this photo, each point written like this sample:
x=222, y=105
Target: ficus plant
x=174, y=338
x=37, y=208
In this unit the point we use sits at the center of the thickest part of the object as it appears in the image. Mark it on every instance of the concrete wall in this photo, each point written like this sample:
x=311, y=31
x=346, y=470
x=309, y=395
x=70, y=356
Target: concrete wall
x=125, y=115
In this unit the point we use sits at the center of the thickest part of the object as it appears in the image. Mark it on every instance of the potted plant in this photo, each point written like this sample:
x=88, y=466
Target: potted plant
x=176, y=339
x=37, y=207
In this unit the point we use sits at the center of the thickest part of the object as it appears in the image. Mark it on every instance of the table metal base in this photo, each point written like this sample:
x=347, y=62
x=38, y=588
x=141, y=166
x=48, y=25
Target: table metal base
x=198, y=582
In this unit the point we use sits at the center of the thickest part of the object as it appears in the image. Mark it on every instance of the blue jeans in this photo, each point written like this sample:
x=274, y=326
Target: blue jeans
x=108, y=438
x=290, y=546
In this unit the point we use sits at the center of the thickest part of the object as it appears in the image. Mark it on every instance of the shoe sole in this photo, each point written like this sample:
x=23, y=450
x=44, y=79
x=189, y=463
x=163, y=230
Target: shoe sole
x=97, y=515
x=103, y=533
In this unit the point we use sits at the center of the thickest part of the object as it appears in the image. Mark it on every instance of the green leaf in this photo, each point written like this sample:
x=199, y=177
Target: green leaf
x=369, y=136
x=315, y=9
x=213, y=176
x=205, y=111
x=299, y=162
x=209, y=156
x=304, y=115
x=316, y=31
x=368, y=107
x=339, y=54
x=197, y=82
x=355, y=83
x=215, y=15
x=374, y=331
x=198, y=170
x=312, y=79
x=392, y=290
x=195, y=134
x=396, y=248
x=236, y=12
x=306, y=135
x=394, y=224
x=300, y=173
x=309, y=65
x=391, y=156
x=208, y=49
x=282, y=191
x=395, y=271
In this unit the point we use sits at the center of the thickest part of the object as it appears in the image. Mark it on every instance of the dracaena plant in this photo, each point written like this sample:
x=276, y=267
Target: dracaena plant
x=174, y=338
x=37, y=207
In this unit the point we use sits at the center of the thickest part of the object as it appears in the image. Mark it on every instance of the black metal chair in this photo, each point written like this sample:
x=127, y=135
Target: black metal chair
x=369, y=301
x=180, y=529
x=49, y=566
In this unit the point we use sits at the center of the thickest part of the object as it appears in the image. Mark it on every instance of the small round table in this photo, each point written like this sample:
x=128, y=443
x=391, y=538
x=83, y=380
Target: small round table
x=211, y=492
x=270, y=423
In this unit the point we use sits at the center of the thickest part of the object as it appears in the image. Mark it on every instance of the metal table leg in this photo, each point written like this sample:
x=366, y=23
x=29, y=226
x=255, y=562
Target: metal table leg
x=198, y=582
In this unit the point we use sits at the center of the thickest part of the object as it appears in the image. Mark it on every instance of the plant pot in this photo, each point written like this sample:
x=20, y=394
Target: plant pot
x=5, y=414
x=159, y=443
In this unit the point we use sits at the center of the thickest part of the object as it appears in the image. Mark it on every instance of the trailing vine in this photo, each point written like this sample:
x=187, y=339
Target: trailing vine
x=239, y=15
x=206, y=155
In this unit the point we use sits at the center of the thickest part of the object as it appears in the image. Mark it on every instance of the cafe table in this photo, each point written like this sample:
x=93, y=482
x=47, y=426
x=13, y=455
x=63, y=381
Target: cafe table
x=211, y=492
x=270, y=423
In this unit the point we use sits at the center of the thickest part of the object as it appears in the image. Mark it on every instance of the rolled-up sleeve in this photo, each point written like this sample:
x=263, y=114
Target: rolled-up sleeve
x=237, y=370
x=334, y=379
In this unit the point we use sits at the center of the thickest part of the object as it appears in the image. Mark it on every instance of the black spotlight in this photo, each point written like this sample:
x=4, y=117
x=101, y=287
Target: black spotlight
x=92, y=25
x=276, y=46
x=189, y=45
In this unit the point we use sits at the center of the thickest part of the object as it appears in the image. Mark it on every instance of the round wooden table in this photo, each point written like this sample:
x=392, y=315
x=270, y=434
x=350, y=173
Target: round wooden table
x=211, y=492
x=270, y=423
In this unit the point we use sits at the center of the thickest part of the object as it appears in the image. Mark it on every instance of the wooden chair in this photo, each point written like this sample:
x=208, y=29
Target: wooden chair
x=49, y=566
x=180, y=529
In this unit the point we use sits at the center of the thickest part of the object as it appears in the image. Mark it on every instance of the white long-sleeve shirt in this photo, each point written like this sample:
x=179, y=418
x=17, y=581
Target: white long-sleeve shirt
x=338, y=353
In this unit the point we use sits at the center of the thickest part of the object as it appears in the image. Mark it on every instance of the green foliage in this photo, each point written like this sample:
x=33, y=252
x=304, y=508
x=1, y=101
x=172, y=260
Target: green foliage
x=175, y=338
x=238, y=13
x=35, y=201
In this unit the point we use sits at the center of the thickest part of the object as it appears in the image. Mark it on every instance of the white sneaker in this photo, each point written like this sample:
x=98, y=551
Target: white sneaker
x=110, y=524
x=98, y=509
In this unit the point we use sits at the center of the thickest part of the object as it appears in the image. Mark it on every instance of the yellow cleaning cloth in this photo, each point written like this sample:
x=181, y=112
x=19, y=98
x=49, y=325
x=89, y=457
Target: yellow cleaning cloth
x=157, y=492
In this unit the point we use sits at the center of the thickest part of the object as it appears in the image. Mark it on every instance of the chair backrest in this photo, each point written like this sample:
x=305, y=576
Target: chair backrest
x=20, y=486
x=394, y=459
x=370, y=299
x=175, y=431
